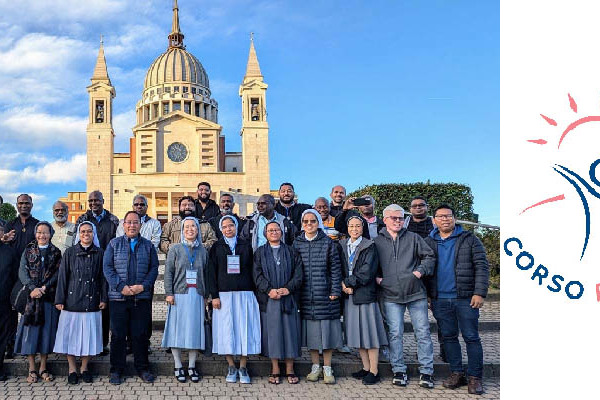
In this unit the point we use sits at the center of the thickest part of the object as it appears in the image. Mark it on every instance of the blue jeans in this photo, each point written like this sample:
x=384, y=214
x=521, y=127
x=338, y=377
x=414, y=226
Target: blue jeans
x=394, y=313
x=452, y=314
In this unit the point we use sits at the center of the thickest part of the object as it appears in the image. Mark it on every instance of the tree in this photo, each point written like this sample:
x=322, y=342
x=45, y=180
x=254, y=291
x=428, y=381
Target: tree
x=7, y=212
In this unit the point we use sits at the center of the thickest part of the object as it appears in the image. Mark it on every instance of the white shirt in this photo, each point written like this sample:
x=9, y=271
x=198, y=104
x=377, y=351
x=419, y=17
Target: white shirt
x=63, y=236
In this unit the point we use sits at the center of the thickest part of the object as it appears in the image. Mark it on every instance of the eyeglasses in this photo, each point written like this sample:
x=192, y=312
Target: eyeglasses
x=420, y=205
x=139, y=204
x=131, y=222
x=309, y=221
x=273, y=230
x=444, y=216
x=396, y=219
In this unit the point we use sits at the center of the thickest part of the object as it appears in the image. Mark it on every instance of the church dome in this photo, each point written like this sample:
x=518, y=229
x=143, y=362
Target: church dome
x=176, y=65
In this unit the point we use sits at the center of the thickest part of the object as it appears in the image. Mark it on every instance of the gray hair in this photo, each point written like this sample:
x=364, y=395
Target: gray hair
x=62, y=204
x=392, y=208
x=140, y=196
x=323, y=199
x=229, y=195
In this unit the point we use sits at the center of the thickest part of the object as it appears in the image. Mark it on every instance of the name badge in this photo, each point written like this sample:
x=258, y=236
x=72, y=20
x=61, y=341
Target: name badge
x=191, y=278
x=233, y=264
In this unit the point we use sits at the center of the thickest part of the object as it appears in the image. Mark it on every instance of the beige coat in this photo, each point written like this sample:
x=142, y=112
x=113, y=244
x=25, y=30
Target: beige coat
x=171, y=234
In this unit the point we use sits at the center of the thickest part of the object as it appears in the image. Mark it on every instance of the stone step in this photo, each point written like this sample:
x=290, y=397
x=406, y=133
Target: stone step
x=343, y=364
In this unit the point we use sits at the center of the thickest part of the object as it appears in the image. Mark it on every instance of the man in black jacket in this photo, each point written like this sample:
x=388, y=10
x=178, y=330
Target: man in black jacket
x=9, y=266
x=106, y=229
x=206, y=208
x=338, y=195
x=226, y=204
x=457, y=290
x=18, y=234
x=287, y=207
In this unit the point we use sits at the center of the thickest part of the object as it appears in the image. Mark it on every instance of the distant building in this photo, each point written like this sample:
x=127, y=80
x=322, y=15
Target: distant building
x=177, y=140
x=77, y=204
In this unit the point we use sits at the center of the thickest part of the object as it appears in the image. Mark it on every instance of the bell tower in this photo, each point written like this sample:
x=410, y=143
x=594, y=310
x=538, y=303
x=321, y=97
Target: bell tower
x=100, y=134
x=255, y=129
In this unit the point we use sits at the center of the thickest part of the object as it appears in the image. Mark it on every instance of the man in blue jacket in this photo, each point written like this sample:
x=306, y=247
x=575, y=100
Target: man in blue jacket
x=130, y=267
x=457, y=290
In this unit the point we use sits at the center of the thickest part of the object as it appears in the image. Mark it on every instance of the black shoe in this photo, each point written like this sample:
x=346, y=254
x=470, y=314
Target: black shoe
x=104, y=351
x=115, y=378
x=149, y=349
x=168, y=351
x=3, y=376
x=86, y=376
x=371, y=379
x=426, y=381
x=129, y=350
x=360, y=374
x=147, y=377
x=400, y=379
x=179, y=375
x=9, y=354
x=73, y=378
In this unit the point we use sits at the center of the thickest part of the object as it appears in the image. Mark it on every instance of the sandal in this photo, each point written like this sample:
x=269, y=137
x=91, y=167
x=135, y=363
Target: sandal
x=194, y=375
x=292, y=379
x=274, y=379
x=180, y=375
x=46, y=376
x=33, y=377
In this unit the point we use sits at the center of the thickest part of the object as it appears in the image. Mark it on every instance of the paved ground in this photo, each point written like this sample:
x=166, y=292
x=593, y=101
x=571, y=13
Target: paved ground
x=216, y=388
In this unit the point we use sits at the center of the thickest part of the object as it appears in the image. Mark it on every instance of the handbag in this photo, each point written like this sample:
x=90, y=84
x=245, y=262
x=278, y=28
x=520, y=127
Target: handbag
x=19, y=296
x=208, y=342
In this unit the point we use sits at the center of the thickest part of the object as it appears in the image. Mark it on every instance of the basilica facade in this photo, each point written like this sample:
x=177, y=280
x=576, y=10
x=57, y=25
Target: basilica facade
x=177, y=140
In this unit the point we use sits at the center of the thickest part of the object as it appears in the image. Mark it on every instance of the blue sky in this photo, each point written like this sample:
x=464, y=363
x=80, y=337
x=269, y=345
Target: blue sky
x=359, y=92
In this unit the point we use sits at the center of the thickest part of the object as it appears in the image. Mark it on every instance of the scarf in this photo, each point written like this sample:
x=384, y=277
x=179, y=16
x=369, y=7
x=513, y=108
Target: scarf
x=42, y=265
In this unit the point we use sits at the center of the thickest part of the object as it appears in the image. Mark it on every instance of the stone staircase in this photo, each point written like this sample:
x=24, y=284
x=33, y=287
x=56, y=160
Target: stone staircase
x=343, y=363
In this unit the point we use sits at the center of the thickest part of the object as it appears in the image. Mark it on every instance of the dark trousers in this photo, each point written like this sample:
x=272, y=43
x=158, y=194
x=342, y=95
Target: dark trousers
x=11, y=324
x=452, y=315
x=132, y=315
x=6, y=332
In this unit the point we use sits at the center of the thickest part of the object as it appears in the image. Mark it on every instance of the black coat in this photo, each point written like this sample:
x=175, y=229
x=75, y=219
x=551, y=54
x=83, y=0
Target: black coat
x=106, y=229
x=9, y=272
x=218, y=280
x=362, y=280
x=293, y=213
x=470, y=267
x=81, y=285
x=211, y=210
x=22, y=239
x=322, y=277
x=263, y=286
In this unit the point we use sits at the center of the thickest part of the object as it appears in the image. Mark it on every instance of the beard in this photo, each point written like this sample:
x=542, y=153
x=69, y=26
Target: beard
x=288, y=201
x=226, y=211
x=60, y=219
x=186, y=213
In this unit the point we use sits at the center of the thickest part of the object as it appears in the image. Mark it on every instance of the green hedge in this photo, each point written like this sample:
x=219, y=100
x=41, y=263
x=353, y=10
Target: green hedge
x=456, y=195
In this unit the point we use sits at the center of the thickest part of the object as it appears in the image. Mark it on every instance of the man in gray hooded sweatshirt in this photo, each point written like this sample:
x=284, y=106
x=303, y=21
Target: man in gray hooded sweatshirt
x=404, y=259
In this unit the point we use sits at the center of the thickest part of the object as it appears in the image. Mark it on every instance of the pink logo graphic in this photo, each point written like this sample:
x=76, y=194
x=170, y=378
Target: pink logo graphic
x=573, y=178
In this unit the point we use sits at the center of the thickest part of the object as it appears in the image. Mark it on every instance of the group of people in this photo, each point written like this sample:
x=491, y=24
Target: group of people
x=290, y=275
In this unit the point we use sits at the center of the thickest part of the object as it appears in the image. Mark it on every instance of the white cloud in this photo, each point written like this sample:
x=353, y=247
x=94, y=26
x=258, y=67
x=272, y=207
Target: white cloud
x=55, y=171
x=39, y=129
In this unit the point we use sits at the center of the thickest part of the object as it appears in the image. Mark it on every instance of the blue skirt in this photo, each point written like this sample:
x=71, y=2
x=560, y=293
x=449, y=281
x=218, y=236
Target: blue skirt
x=236, y=326
x=184, y=327
x=38, y=339
x=79, y=333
